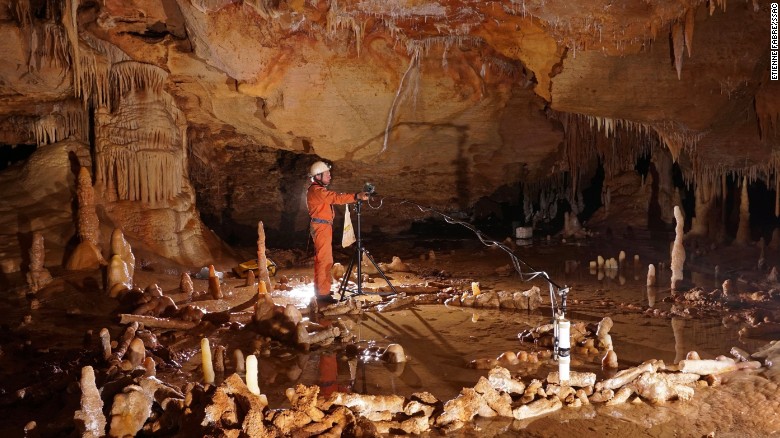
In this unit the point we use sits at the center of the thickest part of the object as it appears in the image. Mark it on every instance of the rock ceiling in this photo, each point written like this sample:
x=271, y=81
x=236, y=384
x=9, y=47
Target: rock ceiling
x=443, y=102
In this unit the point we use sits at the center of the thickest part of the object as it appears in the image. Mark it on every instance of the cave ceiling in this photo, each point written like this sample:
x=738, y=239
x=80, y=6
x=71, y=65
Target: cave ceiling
x=457, y=97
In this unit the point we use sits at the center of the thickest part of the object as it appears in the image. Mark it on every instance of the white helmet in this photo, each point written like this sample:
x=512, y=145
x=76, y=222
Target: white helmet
x=318, y=168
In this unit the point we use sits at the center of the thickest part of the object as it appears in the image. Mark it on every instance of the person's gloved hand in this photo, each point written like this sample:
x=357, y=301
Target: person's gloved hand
x=362, y=196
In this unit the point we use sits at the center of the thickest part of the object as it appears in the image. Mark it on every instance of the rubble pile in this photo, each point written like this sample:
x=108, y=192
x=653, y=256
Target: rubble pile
x=142, y=403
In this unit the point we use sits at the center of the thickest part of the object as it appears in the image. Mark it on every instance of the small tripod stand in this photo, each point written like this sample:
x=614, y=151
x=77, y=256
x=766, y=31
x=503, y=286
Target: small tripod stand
x=356, y=260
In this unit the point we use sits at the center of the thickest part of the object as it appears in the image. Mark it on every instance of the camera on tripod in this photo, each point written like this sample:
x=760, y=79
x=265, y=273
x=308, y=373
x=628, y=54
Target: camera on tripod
x=369, y=188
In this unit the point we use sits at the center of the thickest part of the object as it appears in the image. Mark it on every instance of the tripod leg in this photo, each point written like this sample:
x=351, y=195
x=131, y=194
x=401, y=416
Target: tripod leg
x=379, y=270
x=345, y=279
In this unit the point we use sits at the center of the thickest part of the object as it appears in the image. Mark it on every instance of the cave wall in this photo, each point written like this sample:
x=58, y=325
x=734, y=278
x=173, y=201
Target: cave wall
x=444, y=103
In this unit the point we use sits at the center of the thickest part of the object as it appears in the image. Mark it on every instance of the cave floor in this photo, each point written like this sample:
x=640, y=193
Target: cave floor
x=440, y=341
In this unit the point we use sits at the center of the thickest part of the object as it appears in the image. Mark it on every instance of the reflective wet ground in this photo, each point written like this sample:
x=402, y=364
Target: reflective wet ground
x=439, y=341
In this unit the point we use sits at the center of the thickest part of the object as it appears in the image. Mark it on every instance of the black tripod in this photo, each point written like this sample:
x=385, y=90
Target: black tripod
x=356, y=260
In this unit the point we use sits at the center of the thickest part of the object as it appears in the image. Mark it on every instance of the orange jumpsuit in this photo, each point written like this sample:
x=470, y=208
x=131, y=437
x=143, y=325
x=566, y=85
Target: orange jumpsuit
x=320, y=203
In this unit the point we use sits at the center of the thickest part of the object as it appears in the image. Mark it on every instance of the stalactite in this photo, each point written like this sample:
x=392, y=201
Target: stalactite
x=140, y=145
x=66, y=119
x=586, y=137
x=338, y=19
x=690, y=18
x=128, y=76
x=265, y=8
x=678, y=44
x=20, y=11
x=48, y=44
x=96, y=61
x=70, y=23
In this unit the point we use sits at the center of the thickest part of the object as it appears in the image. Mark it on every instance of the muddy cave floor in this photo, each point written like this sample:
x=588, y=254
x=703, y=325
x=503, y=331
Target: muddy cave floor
x=439, y=341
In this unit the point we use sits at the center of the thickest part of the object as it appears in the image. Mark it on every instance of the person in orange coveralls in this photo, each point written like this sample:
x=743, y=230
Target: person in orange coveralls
x=319, y=201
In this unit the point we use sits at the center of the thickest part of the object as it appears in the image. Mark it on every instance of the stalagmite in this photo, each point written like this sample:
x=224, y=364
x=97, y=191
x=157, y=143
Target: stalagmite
x=153, y=321
x=337, y=271
x=38, y=276
x=250, y=278
x=205, y=359
x=394, y=353
x=261, y=260
x=251, y=374
x=219, y=359
x=743, y=232
x=678, y=250
x=105, y=343
x=90, y=421
x=238, y=357
x=87, y=254
x=658, y=388
x=150, y=366
x=117, y=278
x=136, y=352
x=602, y=333
x=625, y=376
x=728, y=288
x=652, y=293
x=120, y=247
x=185, y=285
x=397, y=265
x=609, y=360
x=707, y=366
x=215, y=290
x=576, y=379
x=537, y=408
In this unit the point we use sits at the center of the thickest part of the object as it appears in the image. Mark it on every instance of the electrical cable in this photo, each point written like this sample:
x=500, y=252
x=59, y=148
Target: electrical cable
x=558, y=310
